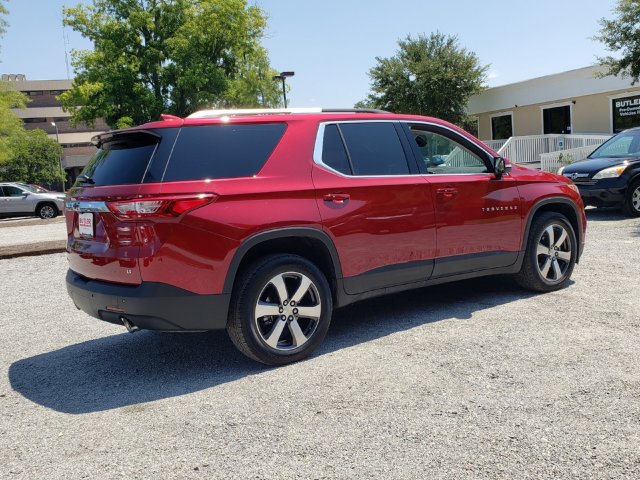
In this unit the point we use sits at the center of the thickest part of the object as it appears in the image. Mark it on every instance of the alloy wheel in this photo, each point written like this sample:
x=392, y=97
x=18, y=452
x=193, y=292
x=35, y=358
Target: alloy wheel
x=553, y=253
x=635, y=199
x=47, y=211
x=288, y=311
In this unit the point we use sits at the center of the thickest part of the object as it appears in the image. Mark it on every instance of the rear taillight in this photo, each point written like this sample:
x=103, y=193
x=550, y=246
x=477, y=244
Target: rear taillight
x=158, y=207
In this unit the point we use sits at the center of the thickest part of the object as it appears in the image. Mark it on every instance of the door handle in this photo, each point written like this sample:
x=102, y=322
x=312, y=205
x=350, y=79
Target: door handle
x=336, y=197
x=447, y=192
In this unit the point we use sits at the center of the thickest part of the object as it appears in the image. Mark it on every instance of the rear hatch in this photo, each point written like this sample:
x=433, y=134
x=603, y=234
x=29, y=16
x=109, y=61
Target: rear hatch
x=104, y=238
x=128, y=214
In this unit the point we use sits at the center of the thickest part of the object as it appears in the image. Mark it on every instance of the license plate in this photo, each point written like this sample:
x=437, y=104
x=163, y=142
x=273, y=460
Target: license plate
x=85, y=224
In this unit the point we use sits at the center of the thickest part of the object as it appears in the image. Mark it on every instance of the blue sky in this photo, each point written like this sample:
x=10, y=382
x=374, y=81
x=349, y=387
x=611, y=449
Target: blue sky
x=332, y=44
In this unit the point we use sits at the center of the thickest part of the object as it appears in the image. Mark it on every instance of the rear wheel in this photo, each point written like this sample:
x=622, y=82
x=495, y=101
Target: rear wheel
x=47, y=210
x=280, y=310
x=631, y=204
x=550, y=254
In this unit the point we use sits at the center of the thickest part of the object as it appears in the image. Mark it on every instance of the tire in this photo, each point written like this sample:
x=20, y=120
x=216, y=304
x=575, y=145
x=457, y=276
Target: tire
x=631, y=205
x=47, y=210
x=550, y=254
x=275, y=330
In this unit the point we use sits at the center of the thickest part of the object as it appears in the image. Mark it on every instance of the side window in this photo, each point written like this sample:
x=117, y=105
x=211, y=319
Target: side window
x=11, y=191
x=441, y=155
x=374, y=148
x=333, y=153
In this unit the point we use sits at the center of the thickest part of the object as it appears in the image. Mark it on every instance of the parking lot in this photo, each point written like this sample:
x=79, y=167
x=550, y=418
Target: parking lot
x=477, y=379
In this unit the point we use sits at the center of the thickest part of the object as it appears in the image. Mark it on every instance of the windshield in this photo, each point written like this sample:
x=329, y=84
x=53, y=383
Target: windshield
x=625, y=144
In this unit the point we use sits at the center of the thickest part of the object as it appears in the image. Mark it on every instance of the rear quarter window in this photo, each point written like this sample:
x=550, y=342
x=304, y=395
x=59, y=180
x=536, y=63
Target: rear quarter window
x=222, y=151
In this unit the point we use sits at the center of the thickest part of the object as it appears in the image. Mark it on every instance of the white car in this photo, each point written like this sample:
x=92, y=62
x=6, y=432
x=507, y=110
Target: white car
x=17, y=199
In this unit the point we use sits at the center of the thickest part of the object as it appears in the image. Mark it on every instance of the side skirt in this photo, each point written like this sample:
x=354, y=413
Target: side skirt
x=346, y=299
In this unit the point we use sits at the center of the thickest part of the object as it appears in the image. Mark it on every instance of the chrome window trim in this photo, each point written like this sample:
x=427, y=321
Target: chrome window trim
x=317, y=149
x=84, y=207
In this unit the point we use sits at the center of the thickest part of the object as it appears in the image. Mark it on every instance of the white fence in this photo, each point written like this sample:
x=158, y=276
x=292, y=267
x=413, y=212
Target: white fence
x=530, y=148
x=494, y=144
x=551, y=162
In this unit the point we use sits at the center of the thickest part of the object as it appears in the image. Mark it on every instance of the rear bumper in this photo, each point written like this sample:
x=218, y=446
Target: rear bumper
x=152, y=306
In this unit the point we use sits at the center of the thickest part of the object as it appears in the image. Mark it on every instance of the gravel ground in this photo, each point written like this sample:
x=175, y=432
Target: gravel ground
x=471, y=380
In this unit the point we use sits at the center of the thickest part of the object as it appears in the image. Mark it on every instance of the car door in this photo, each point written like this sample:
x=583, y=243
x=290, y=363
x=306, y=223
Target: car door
x=15, y=200
x=3, y=201
x=478, y=218
x=375, y=204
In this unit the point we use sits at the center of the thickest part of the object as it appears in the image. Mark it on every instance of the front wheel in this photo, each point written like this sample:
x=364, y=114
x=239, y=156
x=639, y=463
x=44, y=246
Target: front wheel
x=280, y=309
x=550, y=255
x=47, y=210
x=631, y=204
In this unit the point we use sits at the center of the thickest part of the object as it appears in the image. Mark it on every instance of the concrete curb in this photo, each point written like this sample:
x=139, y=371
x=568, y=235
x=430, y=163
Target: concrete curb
x=33, y=249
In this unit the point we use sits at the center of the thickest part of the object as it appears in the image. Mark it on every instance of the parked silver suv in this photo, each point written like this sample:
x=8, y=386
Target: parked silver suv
x=18, y=199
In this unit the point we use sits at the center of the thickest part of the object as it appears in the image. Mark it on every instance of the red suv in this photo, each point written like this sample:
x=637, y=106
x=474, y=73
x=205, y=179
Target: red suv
x=263, y=222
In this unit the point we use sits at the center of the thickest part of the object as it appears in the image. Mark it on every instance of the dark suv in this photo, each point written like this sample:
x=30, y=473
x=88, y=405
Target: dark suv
x=264, y=222
x=610, y=176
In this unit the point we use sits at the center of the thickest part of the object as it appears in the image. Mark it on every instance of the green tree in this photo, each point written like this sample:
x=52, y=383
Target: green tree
x=171, y=56
x=427, y=76
x=622, y=35
x=35, y=158
x=3, y=22
x=253, y=86
x=10, y=124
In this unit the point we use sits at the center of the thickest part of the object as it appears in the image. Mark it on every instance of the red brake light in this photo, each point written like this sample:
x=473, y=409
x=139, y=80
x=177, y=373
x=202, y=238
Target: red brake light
x=158, y=207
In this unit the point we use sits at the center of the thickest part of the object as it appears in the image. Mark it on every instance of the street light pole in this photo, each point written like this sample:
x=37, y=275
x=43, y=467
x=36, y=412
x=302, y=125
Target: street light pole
x=284, y=90
x=283, y=76
x=60, y=159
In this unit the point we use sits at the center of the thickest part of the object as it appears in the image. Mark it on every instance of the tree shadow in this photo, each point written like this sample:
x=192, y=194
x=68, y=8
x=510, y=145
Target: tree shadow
x=125, y=369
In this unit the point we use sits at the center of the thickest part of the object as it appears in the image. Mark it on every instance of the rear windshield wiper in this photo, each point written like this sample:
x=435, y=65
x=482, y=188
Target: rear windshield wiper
x=84, y=179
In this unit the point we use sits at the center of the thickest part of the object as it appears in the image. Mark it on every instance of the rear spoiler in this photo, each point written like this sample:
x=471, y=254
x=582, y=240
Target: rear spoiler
x=99, y=140
x=111, y=134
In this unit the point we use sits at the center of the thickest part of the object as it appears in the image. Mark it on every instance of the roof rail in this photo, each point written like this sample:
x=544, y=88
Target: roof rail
x=277, y=111
x=353, y=110
x=250, y=111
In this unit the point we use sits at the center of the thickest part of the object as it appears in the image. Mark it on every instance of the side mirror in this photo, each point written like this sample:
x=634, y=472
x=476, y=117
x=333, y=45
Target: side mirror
x=499, y=167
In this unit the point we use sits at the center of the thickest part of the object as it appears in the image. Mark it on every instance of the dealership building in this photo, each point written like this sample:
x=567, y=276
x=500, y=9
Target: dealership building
x=575, y=102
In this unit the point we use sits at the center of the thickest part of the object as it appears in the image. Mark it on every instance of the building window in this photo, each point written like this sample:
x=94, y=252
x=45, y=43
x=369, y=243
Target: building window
x=34, y=93
x=34, y=120
x=625, y=112
x=501, y=126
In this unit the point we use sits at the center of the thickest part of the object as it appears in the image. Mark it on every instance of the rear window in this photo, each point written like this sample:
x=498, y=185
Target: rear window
x=121, y=161
x=222, y=151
